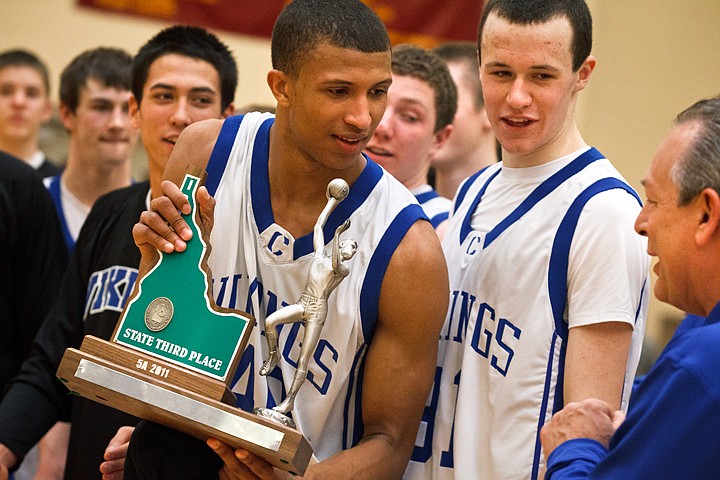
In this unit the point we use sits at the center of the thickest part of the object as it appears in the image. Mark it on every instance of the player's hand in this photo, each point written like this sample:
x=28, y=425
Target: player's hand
x=241, y=464
x=113, y=467
x=591, y=418
x=163, y=227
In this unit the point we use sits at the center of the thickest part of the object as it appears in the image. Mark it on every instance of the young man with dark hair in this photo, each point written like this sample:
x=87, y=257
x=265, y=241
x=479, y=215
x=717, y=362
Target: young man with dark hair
x=472, y=146
x=94, y=96
x=330, y=77
x=548, y=280
x=24, y=107
x=184, y=83
x=416, y=124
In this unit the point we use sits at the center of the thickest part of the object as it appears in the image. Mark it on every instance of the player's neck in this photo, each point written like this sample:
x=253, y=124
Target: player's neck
x=449, y=176
x=22, y=149
x=298, y=185
x=89, y=182
x=564, y=144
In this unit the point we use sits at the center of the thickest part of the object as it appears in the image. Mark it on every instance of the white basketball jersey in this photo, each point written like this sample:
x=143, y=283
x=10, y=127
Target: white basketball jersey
x=518, y=281
x=258, y=267
x=437, y=208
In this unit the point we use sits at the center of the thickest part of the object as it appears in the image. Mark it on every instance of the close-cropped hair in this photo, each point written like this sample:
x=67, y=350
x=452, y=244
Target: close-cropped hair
x=700, y=167
x=465, y=54
x=24, y=58
x=303, y=24
x=424, y=65
x=109, y=66
x=192, y=42
x=528, y=12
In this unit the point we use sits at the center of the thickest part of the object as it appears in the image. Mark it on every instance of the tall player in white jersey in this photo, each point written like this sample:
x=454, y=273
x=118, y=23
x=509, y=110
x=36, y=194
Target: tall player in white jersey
x=364, y=395
x=548, y=282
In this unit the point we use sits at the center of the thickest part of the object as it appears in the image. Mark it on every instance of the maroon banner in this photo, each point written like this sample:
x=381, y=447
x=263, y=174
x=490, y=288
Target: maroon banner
x=423, y=22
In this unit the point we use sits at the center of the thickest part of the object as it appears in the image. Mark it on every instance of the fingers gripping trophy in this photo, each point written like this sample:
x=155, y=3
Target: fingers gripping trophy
x=325, y=274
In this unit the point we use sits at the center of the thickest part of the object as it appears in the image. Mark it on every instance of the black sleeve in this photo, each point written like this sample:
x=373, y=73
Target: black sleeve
x=36, y=399
x=33, y=257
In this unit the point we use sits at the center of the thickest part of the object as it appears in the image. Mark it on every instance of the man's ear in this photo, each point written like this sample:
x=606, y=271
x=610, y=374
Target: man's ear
x=66, y=117
x=441, y=136
x=279, y=86
x=134, y=111
x=584, y=72
x=229, y=111
x=709, y=216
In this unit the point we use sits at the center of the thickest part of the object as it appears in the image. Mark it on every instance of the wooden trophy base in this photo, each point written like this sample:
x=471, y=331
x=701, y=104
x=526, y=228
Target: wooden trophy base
x=160, y=391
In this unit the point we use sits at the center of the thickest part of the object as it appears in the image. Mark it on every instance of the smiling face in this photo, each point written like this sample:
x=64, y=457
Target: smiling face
x=24, y=104
x=179, y=91
x=530, y=88
x=335, y=104
x=100, y=128
x=404, y=139
x=669, y=227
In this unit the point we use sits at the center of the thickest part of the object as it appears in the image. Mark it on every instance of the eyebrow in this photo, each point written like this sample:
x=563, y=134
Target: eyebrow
x=533, y=67
x=166, y=86
x=411, y=101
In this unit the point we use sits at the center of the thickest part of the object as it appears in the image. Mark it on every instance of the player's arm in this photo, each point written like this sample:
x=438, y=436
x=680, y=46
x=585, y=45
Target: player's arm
x=595, y=362
x=605, y=285
x=401, y=360
x=162, y=227
x=399, y=370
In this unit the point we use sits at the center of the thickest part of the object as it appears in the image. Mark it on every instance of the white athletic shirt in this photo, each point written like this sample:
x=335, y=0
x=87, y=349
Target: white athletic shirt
x=268, y=269
x=437, y=208
x=71, y=211
x=531, y=252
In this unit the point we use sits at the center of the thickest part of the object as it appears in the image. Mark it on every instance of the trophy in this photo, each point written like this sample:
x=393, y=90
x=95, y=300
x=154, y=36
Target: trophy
x=174, y=351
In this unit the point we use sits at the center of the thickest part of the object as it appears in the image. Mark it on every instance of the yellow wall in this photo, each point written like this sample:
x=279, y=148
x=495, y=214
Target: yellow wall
x=655, y=57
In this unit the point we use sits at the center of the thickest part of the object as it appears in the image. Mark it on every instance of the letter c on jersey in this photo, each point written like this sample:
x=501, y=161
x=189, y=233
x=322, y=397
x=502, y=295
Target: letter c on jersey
x=275, y=236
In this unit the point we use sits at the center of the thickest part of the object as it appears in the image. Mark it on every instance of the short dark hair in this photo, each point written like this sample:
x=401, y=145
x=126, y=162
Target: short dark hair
x=700, y=168
x=416, y=62
x=465, y=53
x=24, y=58
x=193, y=42
x=527, y=12
x=109, y=66
x=303, y=24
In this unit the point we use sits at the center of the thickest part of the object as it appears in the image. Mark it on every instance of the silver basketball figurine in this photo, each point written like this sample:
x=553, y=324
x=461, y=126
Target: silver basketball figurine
x=325, y=274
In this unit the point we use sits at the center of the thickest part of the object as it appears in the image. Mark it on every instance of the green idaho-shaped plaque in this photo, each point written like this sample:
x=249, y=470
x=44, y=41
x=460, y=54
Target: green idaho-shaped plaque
x=173, y=316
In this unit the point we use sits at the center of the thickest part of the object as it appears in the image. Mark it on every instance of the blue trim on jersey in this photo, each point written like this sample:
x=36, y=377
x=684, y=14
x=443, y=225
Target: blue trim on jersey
x=370, y=291
x=439, y=218
x=466, y=227
x=542, y=191
x=221, y=152
x=352, y=435
x=427, y=196
x=642, y=291
x=557, y=290
x=359, y=192
x=56, y=195
x=260, y=177
x=466, y=186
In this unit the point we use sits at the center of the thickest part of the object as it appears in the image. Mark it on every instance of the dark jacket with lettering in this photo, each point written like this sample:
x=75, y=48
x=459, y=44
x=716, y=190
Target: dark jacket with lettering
x=97, y=283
